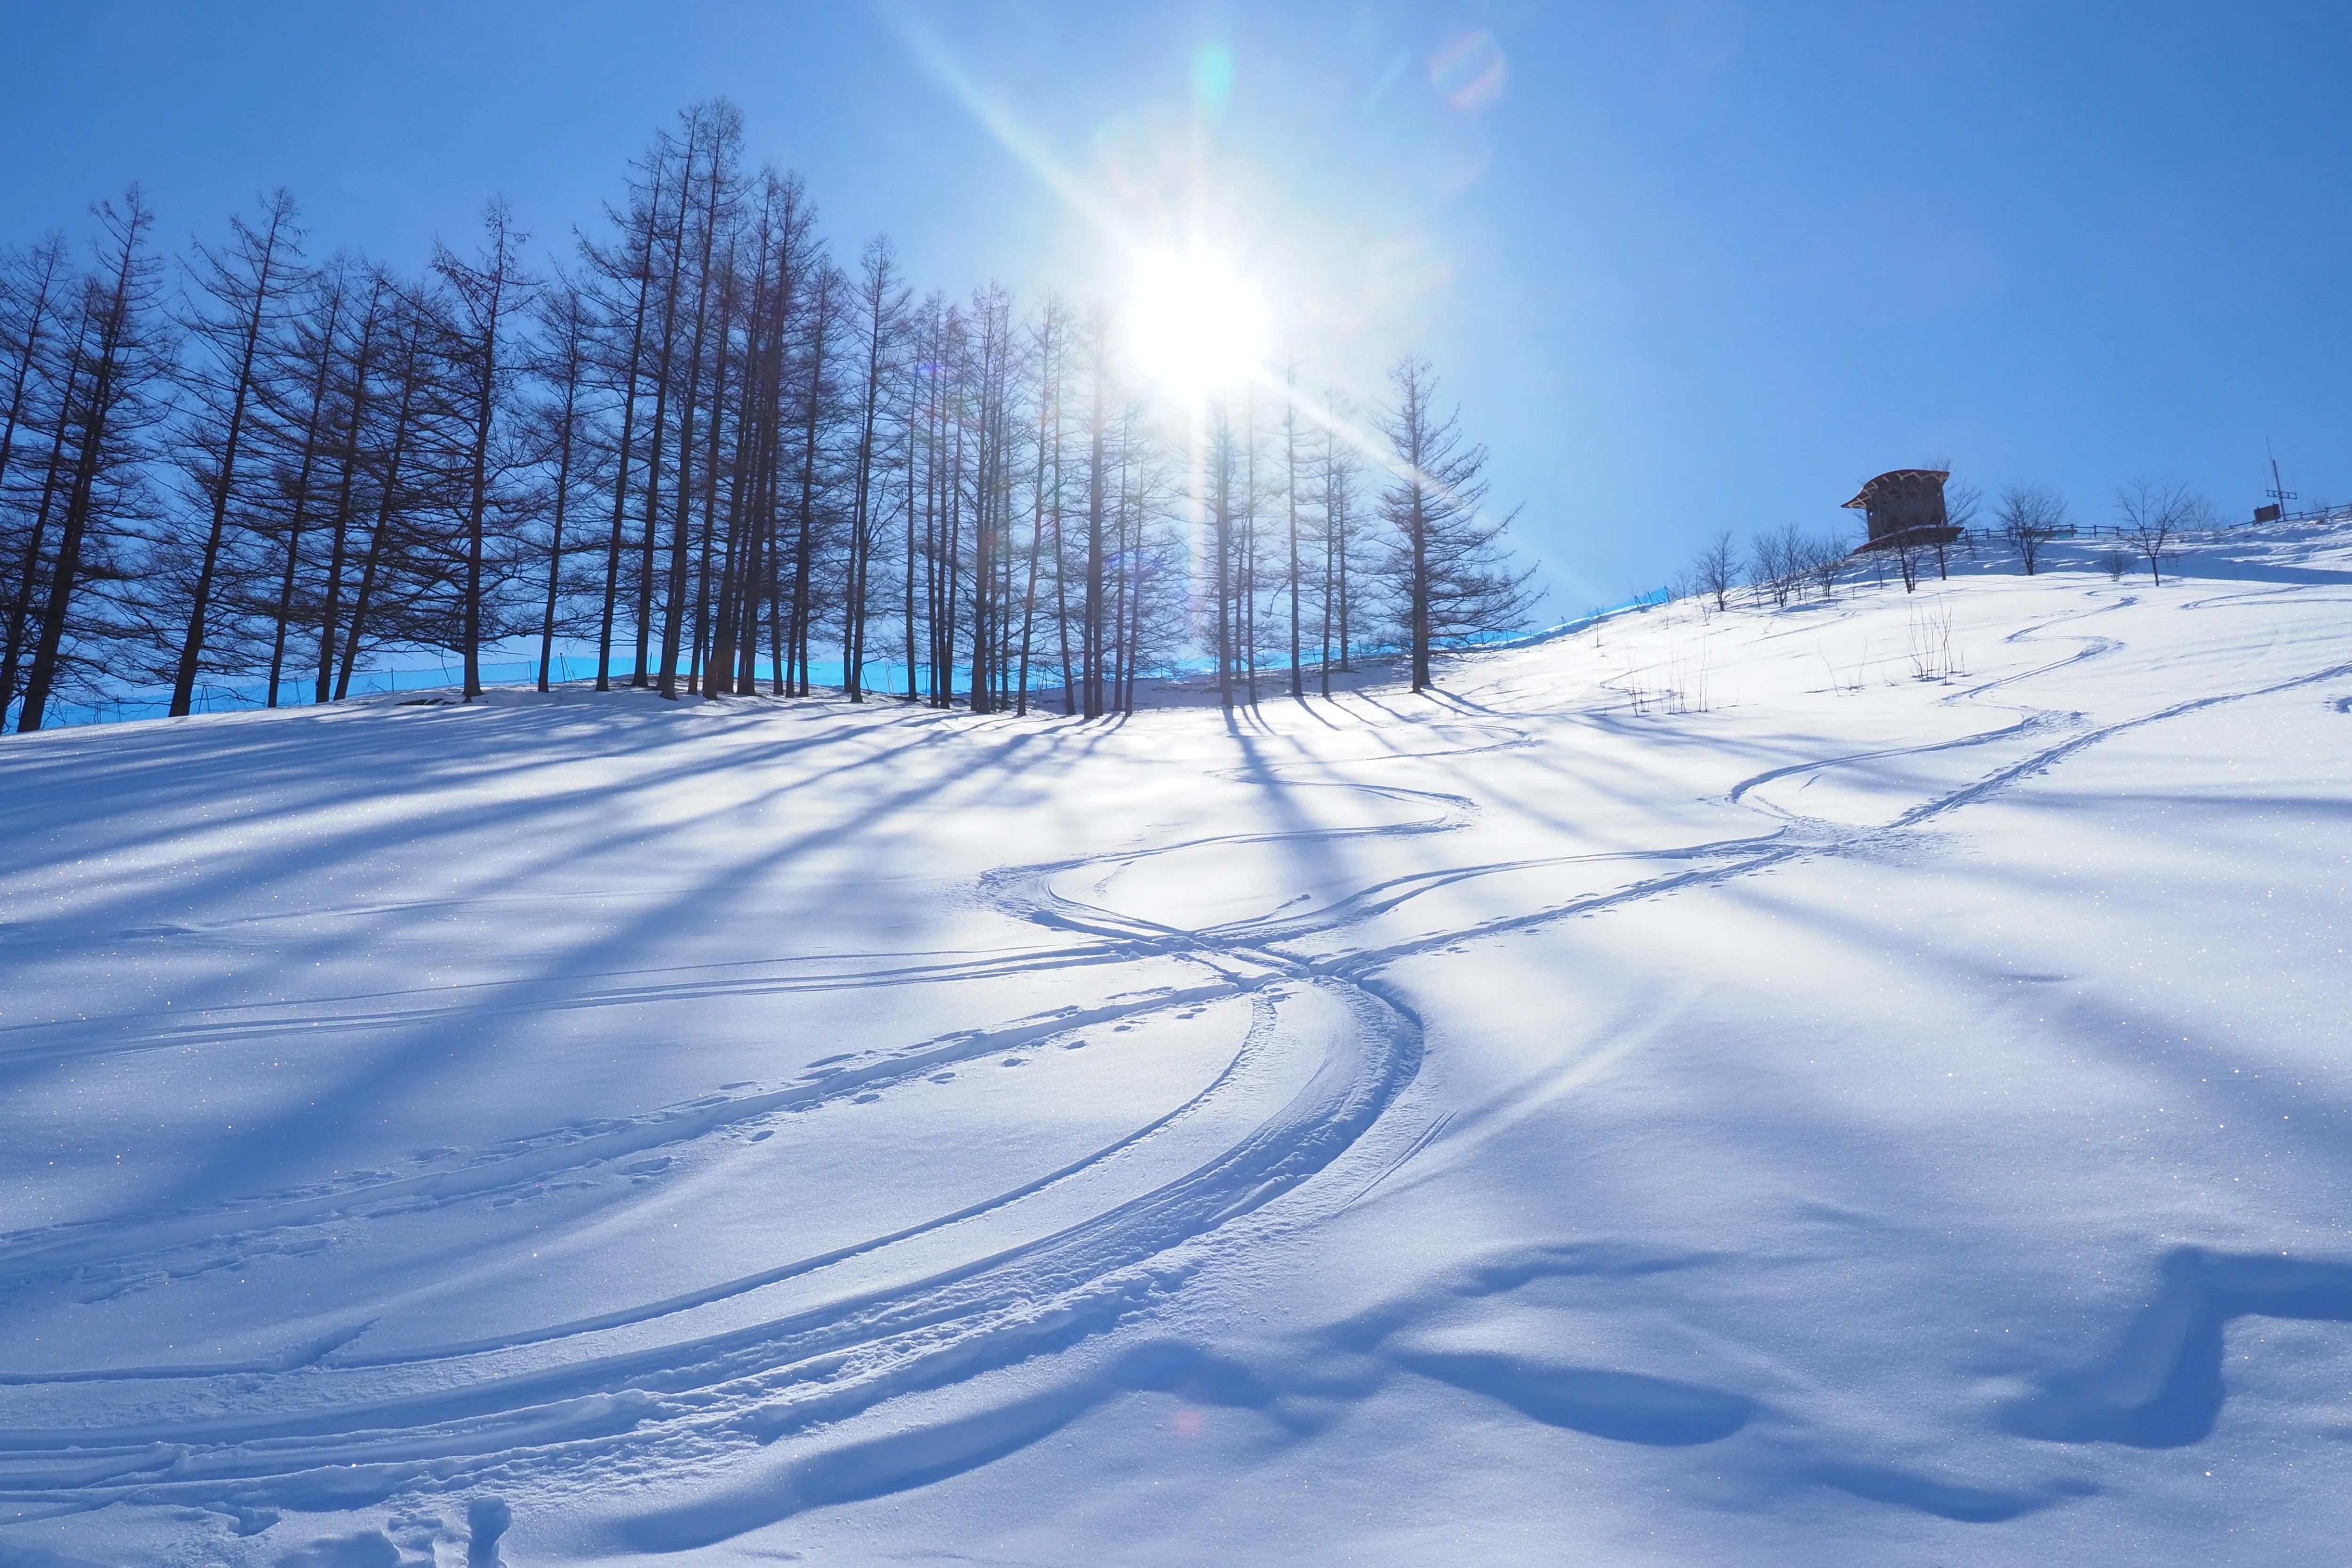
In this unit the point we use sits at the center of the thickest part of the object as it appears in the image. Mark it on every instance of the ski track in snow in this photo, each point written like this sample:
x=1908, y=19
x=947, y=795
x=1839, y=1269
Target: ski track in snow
x=331, y=1424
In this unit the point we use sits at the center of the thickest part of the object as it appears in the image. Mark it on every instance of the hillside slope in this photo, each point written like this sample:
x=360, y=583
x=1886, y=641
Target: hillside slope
x=1861, y=1082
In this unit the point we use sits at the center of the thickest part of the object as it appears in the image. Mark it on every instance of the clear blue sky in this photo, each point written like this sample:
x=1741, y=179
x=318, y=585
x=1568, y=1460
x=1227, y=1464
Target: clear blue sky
x=1686, y=265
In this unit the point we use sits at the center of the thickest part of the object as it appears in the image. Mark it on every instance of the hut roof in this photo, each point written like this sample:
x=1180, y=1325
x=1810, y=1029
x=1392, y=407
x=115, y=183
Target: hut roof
x=1891, y=479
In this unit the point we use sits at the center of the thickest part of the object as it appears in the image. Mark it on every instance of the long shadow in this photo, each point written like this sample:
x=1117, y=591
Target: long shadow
x=1456, y=700
x=994, y=762
x=463, y=1031
x=486, y=822
x=1945, y=1500
x=1307, y=705
x=2162, y=1387
x=1625, y=1406
x=468, y=1032
x=336, y=755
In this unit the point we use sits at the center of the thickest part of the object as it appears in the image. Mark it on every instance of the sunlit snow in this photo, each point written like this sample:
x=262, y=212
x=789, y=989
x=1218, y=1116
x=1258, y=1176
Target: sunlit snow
x=1864, y=1082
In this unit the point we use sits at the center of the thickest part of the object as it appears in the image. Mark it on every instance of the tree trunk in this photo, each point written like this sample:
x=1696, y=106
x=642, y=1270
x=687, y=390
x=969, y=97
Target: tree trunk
x=1096, y=479
x=191, y=646
x=380, y=536
x=1222, y=536
x=477, y=458
x=565, y=421
x=11, y=661
x=303, y=490
x=681, y=526
x=629, y=430
x=711, y=468
x=112, y=343
x=1290, y=494
x=339, y=554
x=661, y=407
x=804, y=551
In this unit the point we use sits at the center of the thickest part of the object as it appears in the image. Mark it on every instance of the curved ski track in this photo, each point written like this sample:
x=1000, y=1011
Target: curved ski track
x=330, y=1425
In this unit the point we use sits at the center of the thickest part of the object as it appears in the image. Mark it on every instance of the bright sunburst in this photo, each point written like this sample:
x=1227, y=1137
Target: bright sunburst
x=1192, y=322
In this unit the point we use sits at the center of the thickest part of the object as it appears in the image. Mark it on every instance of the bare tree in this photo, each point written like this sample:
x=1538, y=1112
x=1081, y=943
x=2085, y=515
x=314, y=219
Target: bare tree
x=827, y=288
x=124, y=361
x=484, y=300
x=1963, y=502
x=67, y=386
x=628, y=271
x=1778, y=562
x=241, y=284
x=565, y=326
x=1341, y=529
x=1246, y=582
x=2156, y=514
x=1910, y=552
x=35, y=291
x=1716, y=571
x=1048, y=351
x=1219, y=499
x=2028, y=516
x=375, y=317
x=1290, y=495
x=412, y=375
x=791, y=379
x=675, y=235
x=1448, y=572
x=722, y=130
x=880, y=309
x=315, y=340
x=1096, y=339
x=1825, y=558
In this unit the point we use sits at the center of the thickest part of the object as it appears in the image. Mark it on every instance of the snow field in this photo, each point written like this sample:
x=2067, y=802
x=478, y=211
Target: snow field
x=1860, y=1082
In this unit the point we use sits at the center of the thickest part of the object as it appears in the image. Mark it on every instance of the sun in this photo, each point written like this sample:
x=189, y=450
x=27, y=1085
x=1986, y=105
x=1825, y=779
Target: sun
x=1192, y=322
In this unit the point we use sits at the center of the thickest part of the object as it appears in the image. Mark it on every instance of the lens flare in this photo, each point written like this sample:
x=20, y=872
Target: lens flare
x=1468, y=71
x=1212, y=78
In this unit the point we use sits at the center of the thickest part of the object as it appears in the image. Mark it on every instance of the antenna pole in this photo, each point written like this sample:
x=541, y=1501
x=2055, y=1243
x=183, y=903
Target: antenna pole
x=2278, y=490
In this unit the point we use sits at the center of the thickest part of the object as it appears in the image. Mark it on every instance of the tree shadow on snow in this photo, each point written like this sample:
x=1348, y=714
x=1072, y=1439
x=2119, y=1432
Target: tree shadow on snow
x=1625, y=1406
x=2162, y=1387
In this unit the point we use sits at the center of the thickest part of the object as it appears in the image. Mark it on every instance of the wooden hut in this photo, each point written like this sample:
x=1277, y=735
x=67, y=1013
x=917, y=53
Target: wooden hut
x=1904, y=506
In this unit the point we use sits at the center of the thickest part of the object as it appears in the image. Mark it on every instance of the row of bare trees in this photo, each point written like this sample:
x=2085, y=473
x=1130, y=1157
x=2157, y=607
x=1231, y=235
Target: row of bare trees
x=2152, y=516
x=1780, y=565
x=693, y=444
x=1308, y=564
x=262, y=472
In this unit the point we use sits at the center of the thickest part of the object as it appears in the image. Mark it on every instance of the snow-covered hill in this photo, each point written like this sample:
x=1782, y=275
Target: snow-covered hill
x=1865, y=1082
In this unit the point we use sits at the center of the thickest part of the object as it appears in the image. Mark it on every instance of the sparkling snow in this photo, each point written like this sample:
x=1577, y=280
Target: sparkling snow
x=1864, y=1082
